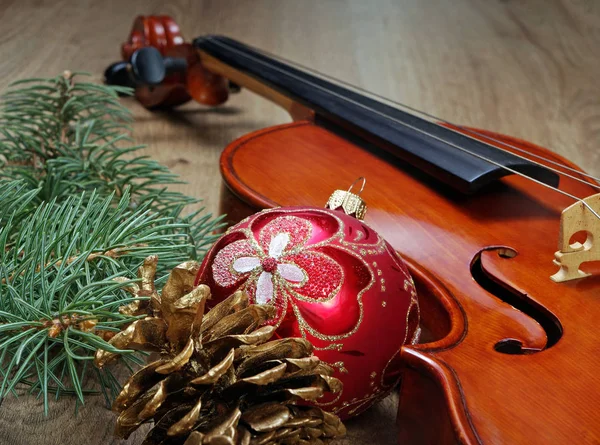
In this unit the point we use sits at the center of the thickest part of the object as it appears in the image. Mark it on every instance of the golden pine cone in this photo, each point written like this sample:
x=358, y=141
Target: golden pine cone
x=218, y=379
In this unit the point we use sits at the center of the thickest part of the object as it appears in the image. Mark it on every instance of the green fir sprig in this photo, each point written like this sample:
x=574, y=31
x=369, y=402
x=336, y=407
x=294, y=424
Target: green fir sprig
x=78, y=208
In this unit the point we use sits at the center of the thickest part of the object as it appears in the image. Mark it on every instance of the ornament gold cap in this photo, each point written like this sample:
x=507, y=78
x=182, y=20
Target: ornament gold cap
x=350, y=203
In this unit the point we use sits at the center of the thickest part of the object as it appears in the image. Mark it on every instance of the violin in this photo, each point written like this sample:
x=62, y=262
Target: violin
x=509, y=351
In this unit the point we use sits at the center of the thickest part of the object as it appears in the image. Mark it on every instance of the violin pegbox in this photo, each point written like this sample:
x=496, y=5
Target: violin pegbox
x=164, y=70
x=583, y=216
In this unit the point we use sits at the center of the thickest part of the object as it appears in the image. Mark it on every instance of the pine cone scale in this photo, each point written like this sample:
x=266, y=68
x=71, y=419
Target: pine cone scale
x=267, y=417
x=266, y=377
x=243, y=322
x=166, y=387
x=231, y=341
x=137, y=384
x=184, y=315
x=187, y=422
x=216, y=372
x=235, y=303
x=179, y=361
x=129, y=419
x=252, y=356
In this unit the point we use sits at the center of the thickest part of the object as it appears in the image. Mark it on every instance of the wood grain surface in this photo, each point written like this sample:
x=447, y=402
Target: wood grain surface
x=528, y=68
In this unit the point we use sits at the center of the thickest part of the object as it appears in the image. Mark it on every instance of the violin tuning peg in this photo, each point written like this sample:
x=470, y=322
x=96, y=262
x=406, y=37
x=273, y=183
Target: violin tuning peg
x=118, y=74
x=175, y=64
x=148, y=66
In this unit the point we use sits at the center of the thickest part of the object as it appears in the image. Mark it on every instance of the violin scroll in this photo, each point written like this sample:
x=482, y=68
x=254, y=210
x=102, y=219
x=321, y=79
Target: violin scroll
x=164, y=70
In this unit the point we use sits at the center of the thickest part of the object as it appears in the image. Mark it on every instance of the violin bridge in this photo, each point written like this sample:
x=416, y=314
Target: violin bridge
x=577, y=219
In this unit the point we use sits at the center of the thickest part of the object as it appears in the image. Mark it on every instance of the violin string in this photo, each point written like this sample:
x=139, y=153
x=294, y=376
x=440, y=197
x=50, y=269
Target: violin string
x=418, y=130
x=468, y=132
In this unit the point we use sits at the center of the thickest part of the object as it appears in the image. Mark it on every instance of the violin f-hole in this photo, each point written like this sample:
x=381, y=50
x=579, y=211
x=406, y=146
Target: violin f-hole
x=521, y=302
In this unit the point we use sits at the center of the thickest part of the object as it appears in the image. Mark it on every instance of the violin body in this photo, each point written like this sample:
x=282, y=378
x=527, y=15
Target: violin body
x=507, y=355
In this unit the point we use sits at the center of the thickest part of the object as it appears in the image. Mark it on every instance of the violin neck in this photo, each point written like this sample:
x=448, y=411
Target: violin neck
x=460, y=161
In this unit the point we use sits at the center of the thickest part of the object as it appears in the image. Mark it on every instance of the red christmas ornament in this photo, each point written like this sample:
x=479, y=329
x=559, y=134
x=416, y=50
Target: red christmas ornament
x=334, y=281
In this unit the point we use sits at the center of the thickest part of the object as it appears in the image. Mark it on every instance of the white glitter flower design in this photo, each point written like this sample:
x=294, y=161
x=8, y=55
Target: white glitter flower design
x=293, y=265
x=270, y=265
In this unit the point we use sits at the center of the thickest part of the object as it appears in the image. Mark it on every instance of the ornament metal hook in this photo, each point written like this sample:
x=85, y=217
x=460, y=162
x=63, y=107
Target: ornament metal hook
x=364, y=182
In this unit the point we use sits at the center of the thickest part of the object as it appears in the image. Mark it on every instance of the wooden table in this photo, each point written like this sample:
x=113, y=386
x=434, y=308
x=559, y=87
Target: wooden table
x=530, y=69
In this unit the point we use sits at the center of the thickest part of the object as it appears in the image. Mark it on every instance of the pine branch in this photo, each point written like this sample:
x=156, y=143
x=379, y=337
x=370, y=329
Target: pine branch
x=64, y=137
x=57, y=287
x=78, y=212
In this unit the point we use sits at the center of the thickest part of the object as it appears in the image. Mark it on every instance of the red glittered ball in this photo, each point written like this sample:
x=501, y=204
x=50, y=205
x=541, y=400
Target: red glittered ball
x=333, y=281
